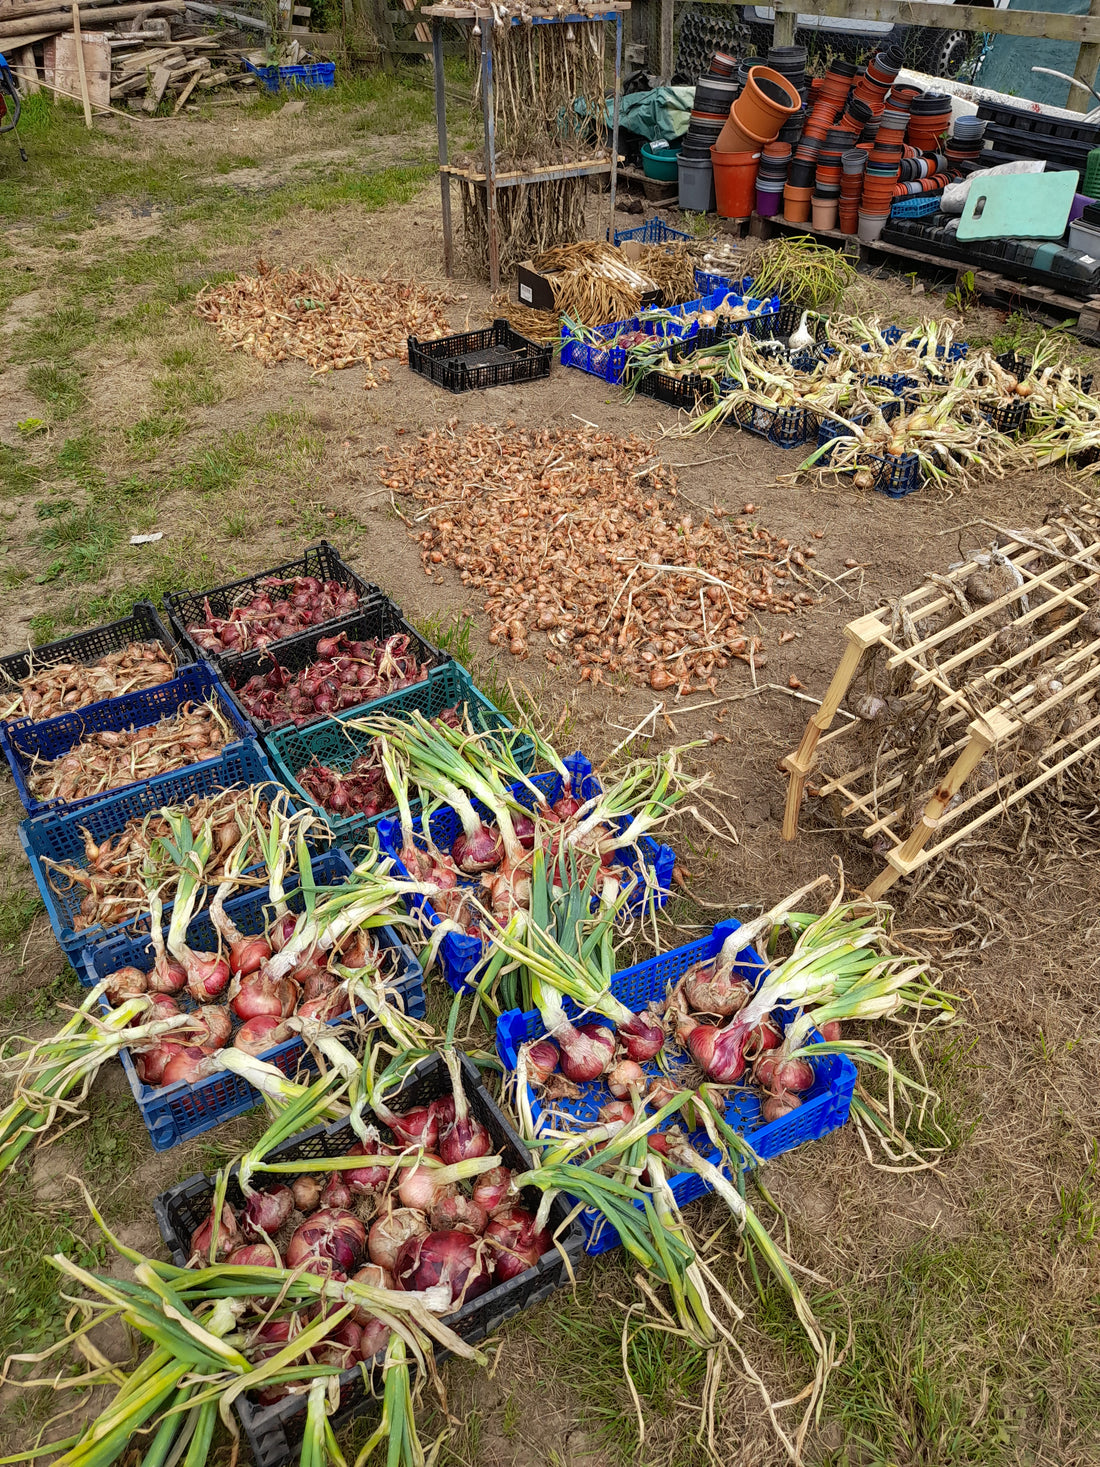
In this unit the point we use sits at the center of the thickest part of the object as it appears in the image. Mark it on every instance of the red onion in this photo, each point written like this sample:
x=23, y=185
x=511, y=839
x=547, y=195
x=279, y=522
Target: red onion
x=458, y=1213
x=450, y=1258
x=622, y=1075
x=315, y=982
x=480, y=850
x=261, y=994
x=390, y=1230
x=419, y=1127
x=719, y=1053
x=521, y=1244
x=763, y=1068
x=375, y=1334
x=366, y=1180
x=187, y=1064
x=207, y=975
x=260, y=1034
x=492, y=1188
x=281, y=931
x=542, y=1060
x=166, y=975
x=640, y=1037
x=661, y=1091
x=125, y=983
x=248, y=955
x=326, y=1006
x=616, y=1110
x=419, y=1188
x=209, y=1029
x=336, y=1192
x=331, y=1236
x=151, y=1063
x=524, y=828
x=586, y=1051
x=227, y=1235
x=716, y=992
x=766, y=1035
x=830, y=1030
x=465, y=1138
x=265, y=1212
x=306, y=1192
x=164, y=1007
x=566, y=806
x=342, y=1346
x=777, y=1106
x=254, y=1255
x=443, y=1108
x=793, y=1074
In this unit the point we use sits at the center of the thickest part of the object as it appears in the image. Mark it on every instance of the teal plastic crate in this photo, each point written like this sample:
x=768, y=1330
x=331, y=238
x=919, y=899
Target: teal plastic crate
x=334, y=744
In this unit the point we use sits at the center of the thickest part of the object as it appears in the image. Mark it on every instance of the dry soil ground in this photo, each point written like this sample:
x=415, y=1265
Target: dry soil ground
x=967, y=1294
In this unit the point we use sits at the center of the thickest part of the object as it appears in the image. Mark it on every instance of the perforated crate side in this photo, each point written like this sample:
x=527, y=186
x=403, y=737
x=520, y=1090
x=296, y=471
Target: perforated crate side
x=653, y=231
x=678, y=392
x=1010, y=417
x=185, y=608
x=436, y=359
x=333, y=744
x=607, y=362
x=825, y=1106
x=379, y=620
x=896, y=477
x=275, y=1431
x=142, y=625
x=177, y=1112
x=460, y=954
x=59, y=834
x=25, y=740
x=785, y=427
x=707, y=280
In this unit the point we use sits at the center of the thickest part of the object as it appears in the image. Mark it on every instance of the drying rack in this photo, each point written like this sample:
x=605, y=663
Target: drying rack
x=996, y=743
x=492, y=179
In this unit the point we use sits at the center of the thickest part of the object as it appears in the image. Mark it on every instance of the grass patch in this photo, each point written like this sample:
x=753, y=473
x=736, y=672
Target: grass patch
x=60, y=388
x=18, y=475
x=18, y=909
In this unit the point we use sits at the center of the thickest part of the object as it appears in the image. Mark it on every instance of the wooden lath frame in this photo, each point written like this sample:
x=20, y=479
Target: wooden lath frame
x=981, y=719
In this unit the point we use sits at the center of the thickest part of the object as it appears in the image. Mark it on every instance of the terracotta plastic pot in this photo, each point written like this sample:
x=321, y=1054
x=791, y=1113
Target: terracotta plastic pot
x=734, y=183
x=796, y=204
x=735, y=139
x=766, y=103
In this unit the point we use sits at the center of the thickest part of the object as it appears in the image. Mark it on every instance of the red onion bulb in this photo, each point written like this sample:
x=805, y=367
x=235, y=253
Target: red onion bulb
x=390, y=1230
x=266, y=1211
x=450, y=1258
x=227, y=1236
x=332, y=1236
x=521, y=1244
x=492, y=1188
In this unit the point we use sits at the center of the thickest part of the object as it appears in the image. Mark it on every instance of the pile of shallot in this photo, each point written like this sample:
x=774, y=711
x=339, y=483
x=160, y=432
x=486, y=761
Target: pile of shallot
x=111, y=758
x=362, y=788
x=345, y=675
x=701, y=1025
x=65, y=686
x=278, y=609
x=406, y=1227
x=235, y=999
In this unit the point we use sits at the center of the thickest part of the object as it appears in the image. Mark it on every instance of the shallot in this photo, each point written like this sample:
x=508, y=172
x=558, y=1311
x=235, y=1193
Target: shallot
x=346, y=674
x=279, y=608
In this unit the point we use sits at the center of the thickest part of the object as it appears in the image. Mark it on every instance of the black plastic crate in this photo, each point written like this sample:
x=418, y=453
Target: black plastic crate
x=785, y=427
x=142, y=625
x=322, y=561
x=1019, y=364
x=678, y=392
x=470, y=361
x=379, y=620
x=1009, y=417
x=274, y=1432
x=1042, y=125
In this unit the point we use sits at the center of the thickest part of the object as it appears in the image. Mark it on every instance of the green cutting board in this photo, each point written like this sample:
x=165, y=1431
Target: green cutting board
x=1018, y=206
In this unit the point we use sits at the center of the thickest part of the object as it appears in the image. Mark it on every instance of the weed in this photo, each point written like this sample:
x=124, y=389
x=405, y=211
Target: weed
x=18, y=909
x=150, y=434
x=85, y=538
x=238, y=526
x=60, y=388
x=1078, y=1217
x=450, y=632
x=18, y=475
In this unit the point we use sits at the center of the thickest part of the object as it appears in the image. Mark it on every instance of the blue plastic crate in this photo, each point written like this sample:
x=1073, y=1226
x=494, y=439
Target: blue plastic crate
x=706, y=281
x=58, y=835
x=175, y=1113
x=25, y=741
x=955, y=353
x=460, y=953
x=311, y=77
x=919, y=206
x=653, y=231
x=608, y=362
x=825, y=1105
x=335, y=745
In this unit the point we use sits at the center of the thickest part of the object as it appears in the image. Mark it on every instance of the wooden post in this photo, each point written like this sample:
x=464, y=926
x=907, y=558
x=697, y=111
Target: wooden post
x=783, y=31
x=27, y=72
x=861, y=634
x=491, y=222
x=1088, y=59
x=665, y=42
x=80, y=68
x=441, y=134
x=984, y=733
x=615, y=116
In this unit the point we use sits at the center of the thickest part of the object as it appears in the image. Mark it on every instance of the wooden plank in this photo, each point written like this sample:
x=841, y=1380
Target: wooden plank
x=81, y=69
x=13, y=32
x=63, y=61
x=161, y=77
x=26, y=72
x=1042, y=24
x=317, y=40
x=188, y=89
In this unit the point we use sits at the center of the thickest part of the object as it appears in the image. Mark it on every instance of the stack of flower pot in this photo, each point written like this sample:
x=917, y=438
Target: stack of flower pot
x=929, y=119
x=767, y=101
x=852, y=165
x=714, y=92
x=771, y=177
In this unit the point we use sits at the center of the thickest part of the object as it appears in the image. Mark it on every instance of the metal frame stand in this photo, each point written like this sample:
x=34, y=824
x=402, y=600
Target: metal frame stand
x=492, y=180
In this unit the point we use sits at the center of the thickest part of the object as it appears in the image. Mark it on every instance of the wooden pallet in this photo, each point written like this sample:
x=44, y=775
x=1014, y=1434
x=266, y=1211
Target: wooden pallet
x=999, y=723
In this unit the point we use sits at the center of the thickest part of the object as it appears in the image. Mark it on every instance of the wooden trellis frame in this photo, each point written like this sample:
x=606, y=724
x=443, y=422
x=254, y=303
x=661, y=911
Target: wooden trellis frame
x=979, y=704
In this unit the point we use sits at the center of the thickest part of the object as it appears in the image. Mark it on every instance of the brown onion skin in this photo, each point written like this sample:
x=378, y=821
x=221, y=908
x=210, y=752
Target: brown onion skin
x=126, y=983
x=227, y=1236
x=450, y=1258
x=306, y=1192
x=390, y=1231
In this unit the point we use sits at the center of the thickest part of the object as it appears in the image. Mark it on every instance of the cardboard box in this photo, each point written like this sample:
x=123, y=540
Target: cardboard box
x=534, y=289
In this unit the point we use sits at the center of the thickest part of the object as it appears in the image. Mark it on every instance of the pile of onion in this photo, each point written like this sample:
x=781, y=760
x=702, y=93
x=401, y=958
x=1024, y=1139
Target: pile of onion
x=344, y=675
x=279, y=608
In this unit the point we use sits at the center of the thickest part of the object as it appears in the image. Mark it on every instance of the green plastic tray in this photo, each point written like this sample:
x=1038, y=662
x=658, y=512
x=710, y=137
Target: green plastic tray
x=290, y=750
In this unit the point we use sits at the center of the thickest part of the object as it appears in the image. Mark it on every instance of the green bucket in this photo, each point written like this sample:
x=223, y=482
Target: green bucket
x=663, y=164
